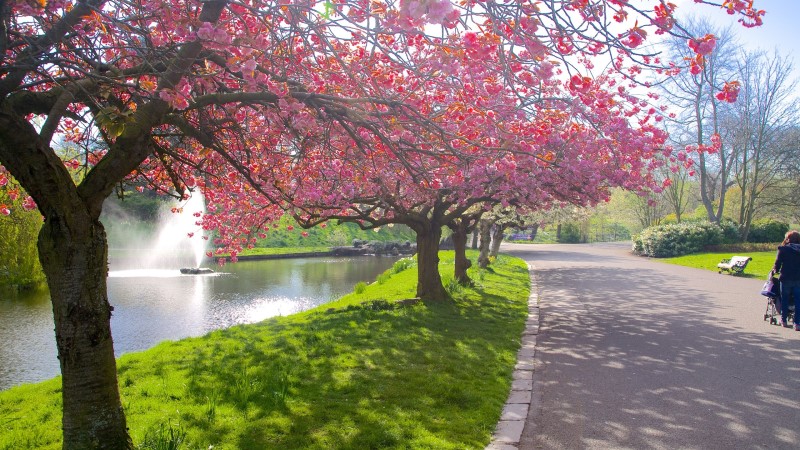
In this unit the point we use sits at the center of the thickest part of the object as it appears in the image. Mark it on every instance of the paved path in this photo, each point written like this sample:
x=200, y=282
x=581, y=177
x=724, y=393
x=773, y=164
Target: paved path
x=636, y=354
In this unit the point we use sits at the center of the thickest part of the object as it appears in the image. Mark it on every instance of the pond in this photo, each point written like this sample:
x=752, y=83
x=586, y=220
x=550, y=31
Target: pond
x=162, y=304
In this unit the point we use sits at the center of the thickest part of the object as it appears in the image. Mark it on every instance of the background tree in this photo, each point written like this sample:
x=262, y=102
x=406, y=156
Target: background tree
x=19, y=266
x=692, y=92
x=786, y=194
x=755, y=126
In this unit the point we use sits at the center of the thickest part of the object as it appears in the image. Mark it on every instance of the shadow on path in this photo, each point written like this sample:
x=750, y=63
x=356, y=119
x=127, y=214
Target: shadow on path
x=638, y=354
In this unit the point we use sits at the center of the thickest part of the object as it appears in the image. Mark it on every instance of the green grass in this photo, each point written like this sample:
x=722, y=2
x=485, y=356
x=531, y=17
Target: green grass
x=362, y=372
x=759, y=267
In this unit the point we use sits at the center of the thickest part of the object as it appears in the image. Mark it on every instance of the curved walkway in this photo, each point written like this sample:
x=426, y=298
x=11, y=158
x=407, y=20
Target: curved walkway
x=626, y=352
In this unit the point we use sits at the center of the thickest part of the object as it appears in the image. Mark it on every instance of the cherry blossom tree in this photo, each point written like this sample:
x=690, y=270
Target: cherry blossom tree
x=381, y=109
x=572, y=153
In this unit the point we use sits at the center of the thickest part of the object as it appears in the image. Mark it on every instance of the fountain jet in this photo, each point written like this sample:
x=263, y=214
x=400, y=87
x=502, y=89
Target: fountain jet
x=179, y=241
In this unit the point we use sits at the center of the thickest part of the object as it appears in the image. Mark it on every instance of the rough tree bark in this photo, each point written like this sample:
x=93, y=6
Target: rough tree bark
x=462, y=263
x=74, y=256
x=429, y=281
x=485, y=231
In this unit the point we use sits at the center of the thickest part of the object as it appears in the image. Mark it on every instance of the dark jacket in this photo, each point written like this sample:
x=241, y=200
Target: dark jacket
x=788, y=262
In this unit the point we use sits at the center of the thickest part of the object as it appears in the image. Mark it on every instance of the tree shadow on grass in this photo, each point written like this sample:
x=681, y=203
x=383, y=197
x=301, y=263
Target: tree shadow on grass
x=423, y=375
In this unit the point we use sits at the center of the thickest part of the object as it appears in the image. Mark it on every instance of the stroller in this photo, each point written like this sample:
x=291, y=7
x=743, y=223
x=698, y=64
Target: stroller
x=772, y=290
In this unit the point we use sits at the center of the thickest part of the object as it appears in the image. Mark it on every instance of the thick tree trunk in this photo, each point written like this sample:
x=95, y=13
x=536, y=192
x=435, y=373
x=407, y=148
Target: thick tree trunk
x=485, y=230
x=429, y=281
x=74, y=257
x=462, y=263
x=73, y=252
x=497, y=239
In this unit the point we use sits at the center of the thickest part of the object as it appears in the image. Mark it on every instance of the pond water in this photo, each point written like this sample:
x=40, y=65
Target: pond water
x=162, y=304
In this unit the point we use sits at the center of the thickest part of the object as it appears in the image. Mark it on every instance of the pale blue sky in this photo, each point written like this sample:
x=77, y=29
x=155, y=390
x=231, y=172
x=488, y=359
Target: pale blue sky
x=781, y=27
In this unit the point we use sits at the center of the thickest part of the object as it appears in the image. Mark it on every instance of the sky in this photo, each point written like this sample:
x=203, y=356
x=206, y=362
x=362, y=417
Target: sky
x=780, y=29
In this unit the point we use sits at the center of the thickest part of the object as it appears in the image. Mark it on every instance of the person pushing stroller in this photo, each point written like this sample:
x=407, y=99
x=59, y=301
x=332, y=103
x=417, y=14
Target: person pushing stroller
x=787, y=264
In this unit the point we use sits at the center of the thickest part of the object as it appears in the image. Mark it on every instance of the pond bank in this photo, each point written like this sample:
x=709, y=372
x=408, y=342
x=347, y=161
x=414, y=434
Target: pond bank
x=368, y=374
x=391, y=249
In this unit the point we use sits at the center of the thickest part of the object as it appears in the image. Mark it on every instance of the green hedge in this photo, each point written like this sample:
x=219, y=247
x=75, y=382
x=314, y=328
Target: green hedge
x=767, y=230
x=570, y=234
x=664, y=241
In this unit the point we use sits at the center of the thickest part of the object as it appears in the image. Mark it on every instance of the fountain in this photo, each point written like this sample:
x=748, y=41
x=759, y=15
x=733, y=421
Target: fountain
x=178, y=242
x=196, y=270
x=189, y=214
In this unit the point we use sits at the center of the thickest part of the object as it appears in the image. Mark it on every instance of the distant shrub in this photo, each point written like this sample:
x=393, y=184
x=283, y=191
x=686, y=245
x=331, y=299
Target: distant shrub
x=767, y=230
x=360, y=287
x=403, y=264
x=730, y=232
x=664, y=241
x=19, y=231
x=384, y=277
x=570, y=234
x=452, y=286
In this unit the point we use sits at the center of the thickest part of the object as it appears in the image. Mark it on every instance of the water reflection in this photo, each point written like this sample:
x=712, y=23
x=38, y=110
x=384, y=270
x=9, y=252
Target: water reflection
x=155, y=305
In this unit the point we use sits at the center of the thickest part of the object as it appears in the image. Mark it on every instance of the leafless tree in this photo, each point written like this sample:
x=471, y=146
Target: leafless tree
x=698, y=112
x=756, y=127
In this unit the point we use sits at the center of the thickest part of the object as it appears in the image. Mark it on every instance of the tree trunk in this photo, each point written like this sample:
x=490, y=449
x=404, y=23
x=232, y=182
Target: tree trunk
x=534, y=231
x=485, y=229
x=429, y=281
x=497, y=239
x=74, y=255
x=462, y=263
x=475, y=238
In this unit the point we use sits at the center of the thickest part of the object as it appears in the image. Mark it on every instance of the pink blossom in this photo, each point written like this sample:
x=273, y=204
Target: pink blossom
x=438, y=12
x=28, y=204
x=704, y=45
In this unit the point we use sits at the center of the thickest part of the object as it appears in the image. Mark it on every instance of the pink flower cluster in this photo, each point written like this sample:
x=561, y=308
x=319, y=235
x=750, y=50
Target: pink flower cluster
x=429, y=11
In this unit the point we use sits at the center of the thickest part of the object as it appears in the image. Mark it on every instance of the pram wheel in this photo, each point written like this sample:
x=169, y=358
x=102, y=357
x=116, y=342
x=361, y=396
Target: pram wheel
x=766, y=316
x=773, y=321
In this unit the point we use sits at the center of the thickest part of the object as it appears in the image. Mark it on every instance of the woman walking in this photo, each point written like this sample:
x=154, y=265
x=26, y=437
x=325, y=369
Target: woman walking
x=787, y=263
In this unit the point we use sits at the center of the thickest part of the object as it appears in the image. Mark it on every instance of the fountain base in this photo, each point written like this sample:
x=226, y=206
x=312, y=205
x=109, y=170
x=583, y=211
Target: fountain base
x=196, y=270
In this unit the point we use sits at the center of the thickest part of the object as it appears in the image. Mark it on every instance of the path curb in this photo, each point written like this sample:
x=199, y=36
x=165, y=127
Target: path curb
x=509, y=429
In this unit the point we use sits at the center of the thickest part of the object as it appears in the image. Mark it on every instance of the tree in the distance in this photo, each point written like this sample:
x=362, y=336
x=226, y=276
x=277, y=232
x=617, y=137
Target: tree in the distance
x=695, y=93
x=754, y=130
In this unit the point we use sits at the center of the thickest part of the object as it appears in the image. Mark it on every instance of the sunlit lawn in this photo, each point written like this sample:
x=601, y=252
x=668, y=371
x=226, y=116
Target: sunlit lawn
x=759, y=267
x=361, y=373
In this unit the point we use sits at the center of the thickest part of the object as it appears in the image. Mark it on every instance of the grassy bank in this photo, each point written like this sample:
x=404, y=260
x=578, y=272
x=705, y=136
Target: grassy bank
x=362, y=372
x=759, y=267
x=273, y=251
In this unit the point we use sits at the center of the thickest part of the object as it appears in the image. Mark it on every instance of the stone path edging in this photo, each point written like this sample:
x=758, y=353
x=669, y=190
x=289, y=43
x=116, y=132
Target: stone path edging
x=515, y=412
